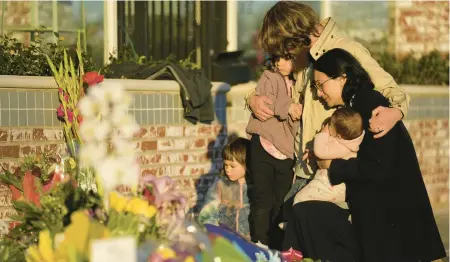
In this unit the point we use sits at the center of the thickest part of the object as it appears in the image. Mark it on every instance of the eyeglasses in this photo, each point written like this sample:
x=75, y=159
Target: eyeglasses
x=319, y=85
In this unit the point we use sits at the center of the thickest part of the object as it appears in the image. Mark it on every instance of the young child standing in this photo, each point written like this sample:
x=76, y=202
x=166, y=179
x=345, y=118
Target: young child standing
x=226, y=201
x=340, y=138
x=272, y=149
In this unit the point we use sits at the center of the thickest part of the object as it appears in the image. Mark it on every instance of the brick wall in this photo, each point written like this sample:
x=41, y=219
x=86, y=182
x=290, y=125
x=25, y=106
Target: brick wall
x=190, y=154
x=420, y=27
x=17, y=142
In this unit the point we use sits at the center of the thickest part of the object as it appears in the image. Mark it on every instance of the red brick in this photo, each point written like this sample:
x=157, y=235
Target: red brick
x=205, y=130
x=5, y=198
x=9, y=151
x=199, y=143
x=26, y=150
x=167, y=144
x=152, y=131
x=53, y=134
x=149, y=171
x=161, y=131
x=155, y=159
x=20, y=134
x=3, y=135
x=4, y=165
x=149, y=145
x=38, y=134
x=6, y=212
x=143, y=133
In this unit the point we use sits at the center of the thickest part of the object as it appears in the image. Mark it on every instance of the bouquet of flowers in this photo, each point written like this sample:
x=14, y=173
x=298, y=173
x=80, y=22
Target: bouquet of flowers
x=69, y=208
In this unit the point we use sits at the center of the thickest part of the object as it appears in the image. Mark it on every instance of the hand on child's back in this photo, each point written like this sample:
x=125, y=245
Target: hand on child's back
x=295, y=111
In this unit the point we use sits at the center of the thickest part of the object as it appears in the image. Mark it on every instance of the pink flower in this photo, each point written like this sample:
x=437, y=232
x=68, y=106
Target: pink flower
x=66, y=97
x=60, y=111
x=292, y=255
x=92, y=78
x=70, y=115
x=60, y=90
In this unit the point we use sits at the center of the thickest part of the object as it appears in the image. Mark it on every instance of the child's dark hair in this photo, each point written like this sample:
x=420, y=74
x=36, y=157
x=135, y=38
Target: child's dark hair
x=236, y=150
x=271, y=63
x=347, y=123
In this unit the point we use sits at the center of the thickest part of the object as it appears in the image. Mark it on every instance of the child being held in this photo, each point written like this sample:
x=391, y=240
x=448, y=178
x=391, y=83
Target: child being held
x=272, y=149
x=226, y=201
x=338, y=139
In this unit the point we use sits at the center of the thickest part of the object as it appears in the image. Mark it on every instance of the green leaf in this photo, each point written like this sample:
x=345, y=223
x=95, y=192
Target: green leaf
x=17, y=218
x=11, y=179
x=25, y=206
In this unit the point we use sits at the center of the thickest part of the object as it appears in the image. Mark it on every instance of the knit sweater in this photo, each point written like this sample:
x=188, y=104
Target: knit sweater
x=281, y=129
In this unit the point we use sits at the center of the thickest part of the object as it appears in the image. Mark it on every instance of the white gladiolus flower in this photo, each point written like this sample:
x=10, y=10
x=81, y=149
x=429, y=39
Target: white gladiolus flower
x=106, y=119
x=97, y=92
x=95, y=130
x=125, y=123
x=115, y=92
x=87, y=107
x=123, y=147
x=102, y=130
x=92, y=153
x=107, y=172
x=87, y=130
x=91, y=108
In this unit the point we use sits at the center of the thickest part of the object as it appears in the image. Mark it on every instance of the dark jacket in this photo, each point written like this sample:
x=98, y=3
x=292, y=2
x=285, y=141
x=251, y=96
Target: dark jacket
x=195, y=88
x=389, y=204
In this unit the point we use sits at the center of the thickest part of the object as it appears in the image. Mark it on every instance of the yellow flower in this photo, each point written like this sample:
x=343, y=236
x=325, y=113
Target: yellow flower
x=44, y=251
x=72, y=163
x=79, y=234
x=137, y=206
x=189, y=259
x=117, y=202
x=32, y=254
x=166, y=253
x=150, y=211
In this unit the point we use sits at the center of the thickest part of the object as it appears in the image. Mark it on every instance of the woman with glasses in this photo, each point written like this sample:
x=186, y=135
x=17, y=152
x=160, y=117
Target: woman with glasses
x=390, y=210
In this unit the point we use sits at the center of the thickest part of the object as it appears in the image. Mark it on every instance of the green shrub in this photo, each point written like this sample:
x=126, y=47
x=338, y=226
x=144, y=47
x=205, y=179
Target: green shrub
x=130, y=65
x=430, y=69
x=18, y=59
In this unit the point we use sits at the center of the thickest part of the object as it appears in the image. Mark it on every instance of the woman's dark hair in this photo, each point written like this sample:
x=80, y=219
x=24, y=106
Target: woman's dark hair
x=338, y=62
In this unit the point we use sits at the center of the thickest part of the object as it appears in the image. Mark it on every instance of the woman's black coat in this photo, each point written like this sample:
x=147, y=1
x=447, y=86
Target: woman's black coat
x=389, y=204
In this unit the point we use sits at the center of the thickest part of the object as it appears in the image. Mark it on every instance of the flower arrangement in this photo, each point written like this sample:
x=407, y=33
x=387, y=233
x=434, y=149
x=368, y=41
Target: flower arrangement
x=59, y=217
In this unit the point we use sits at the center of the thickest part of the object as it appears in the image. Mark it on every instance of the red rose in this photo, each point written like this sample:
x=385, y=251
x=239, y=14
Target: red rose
x=92, y=78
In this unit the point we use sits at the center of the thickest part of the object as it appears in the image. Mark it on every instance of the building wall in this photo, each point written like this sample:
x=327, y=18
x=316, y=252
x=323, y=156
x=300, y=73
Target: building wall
x=190, y=154
x=420, y=27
